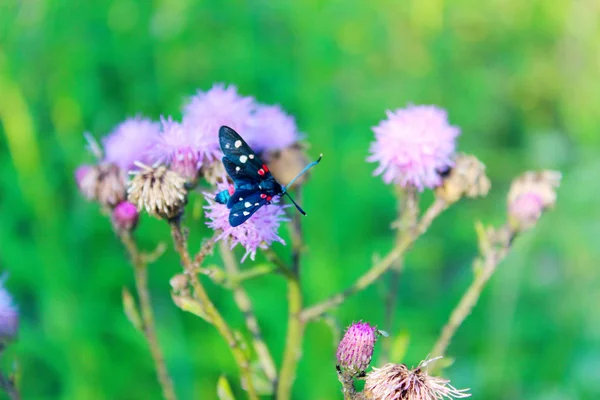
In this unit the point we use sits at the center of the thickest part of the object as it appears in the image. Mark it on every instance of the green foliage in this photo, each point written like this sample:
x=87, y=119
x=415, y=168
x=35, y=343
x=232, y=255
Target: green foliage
x=519, y=78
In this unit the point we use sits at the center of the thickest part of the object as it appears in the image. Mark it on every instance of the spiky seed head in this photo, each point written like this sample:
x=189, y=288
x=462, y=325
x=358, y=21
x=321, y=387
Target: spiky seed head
x=356, y=348
x=158, y=190
x=466, y=178
x=214, y=172
x=125, y=216
x=529, y=195
x=397, y=382
x=104, y=183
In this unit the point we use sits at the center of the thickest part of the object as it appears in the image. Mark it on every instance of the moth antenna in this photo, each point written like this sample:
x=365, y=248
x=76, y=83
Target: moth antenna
x=309, y=166
x=296, y=204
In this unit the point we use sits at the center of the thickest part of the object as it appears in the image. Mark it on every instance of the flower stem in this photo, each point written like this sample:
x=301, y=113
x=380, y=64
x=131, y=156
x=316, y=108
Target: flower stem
x=379, y=268
x=484, y=269
x=140, y=269
x=244, y=303
x=211, y=311
x=7, y=383
x=295, y=327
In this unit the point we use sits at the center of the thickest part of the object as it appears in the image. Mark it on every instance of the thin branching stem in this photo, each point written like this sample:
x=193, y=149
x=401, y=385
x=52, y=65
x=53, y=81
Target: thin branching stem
x=379, y=267
x=242, y=300
x=215, y=317
x=484, y=269
x=140, y=270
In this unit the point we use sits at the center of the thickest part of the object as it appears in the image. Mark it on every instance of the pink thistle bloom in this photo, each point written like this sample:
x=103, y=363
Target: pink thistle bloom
x=9, y=316
x=130, y=141
x=412, y=145
x=178, y=148
x=207, y=111
x=270, y=129
x=125, y=216
x=260, y=231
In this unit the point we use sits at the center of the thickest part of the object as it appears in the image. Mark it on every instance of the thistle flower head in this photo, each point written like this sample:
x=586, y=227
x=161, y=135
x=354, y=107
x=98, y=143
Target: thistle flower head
x=178, y=148
x=529, y=195
x=412, y=145
x=130, y=142
x=86, y=177
x=160, y=191
x=104, y=183
x=9, y=316
x=466, y=178
x=206, y=112
x=356, y=348
x=286, y=164
x=259, y=231
x=397, y=382
x=125, y=216
x=271, y=129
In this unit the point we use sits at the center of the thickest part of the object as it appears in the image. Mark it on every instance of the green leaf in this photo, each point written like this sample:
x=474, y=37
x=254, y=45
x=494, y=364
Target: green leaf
x=224, y=390
x=131, y=310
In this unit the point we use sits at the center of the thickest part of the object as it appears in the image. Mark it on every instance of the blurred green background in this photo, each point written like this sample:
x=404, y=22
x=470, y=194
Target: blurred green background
x=519, y=78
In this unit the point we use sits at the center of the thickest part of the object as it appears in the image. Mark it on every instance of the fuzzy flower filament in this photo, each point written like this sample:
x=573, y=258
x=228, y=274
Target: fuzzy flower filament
x=412, y=145
x=258, y=232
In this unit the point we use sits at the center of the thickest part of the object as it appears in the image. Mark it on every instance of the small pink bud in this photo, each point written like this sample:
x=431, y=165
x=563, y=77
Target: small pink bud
x=125, y=216
x=356, y=348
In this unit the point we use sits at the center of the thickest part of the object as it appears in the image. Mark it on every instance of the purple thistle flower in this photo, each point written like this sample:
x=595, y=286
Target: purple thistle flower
x=412, y=145
x=207, y=111
x=177, y=147
x=9, y=316
x=260, y=231
x=270, y=129
x=356, y=348
x=130, y=141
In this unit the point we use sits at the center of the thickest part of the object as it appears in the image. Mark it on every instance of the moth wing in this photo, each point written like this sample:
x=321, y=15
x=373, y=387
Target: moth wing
x=237, y=151
x=242, y=210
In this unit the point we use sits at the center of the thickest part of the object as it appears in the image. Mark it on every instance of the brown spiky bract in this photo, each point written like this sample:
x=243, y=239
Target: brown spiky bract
x=160, y=191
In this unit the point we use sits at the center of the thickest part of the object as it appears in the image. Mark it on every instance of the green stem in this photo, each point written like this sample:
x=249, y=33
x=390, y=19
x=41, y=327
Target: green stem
x=486, y=268
x=149, y=327
x=244, y=303
x=379, y=268
x=211, y=311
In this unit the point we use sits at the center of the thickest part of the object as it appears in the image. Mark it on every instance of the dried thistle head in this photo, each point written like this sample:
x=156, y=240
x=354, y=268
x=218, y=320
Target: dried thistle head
x=397, y=382
x=158, y=190
x=213, y=172
x=529, y=195
x=104, y=183
x=356, y=349
x=287, y=163
x=466, y=178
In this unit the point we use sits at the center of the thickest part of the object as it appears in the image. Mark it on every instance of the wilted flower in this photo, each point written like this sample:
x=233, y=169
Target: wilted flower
x=287, y=163
x=466, y=178
x=86, y=177
x=125, y=216
x=356, y=348
x=271, y=129
x=207, y=111
x=9, y=316
x=397, y=382
x=260, y=231
x=160, y=191
x=130, y=142
x=178, y=148
x=412, y=145
x=529, y=195
x=104, y=183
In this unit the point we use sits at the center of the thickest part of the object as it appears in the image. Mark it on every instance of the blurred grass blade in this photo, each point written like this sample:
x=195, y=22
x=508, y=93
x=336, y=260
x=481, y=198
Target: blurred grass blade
x=224, y=390
x=399, y=346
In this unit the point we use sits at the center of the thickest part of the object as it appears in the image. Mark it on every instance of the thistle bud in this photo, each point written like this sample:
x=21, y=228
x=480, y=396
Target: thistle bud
x=529, y=195
x=213, y=172
x=356, y=348
x=466, y=178
x=397, y=382
x=125, y=216
x=160, y=191
x=287, y=163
